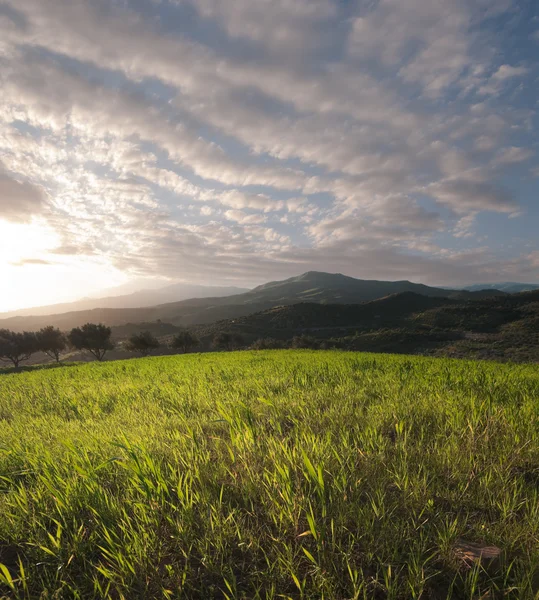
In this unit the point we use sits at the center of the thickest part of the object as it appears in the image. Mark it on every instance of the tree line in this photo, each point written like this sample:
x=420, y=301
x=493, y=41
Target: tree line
x=96, y=339
x=17, y=347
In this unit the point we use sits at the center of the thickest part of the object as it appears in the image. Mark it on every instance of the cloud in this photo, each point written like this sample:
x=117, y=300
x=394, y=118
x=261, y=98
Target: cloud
x=280, y=26
x=206, y=210
x=507, y=71
x=466, y=194
x=240, y=217
x=31, y=261
x=513, y=155
x=428, y=43
x=304, y=133
x=500, y=77
x=20, y=200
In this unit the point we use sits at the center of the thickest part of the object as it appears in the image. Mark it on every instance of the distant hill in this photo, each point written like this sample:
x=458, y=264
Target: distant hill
x=322, y=288
x=315, y=286
x=509, y=287
x=142, y=298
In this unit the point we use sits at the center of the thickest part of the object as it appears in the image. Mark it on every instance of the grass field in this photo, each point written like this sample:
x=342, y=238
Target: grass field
x=279, y=474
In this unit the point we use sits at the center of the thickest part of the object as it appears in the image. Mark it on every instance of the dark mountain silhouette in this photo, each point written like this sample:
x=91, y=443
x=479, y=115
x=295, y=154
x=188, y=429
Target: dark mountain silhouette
x=323, y=288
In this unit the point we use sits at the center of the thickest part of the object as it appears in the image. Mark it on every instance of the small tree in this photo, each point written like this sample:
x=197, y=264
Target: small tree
x=184, y=341
x=227, y=340
x=51, y=341
x=16, y=347
x=143, y=343
x=93, y=338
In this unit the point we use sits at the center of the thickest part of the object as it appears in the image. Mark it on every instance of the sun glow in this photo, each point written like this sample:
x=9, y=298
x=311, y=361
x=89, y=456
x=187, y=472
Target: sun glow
x=20, y=242
x=32, y=275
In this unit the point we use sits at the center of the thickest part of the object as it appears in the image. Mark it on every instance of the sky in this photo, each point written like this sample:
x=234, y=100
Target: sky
x=242, y=141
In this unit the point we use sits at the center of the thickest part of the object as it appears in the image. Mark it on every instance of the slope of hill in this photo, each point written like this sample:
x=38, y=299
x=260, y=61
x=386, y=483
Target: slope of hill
x=143, y=298
x=297, y=318
x=309, y=287
x=504, y=327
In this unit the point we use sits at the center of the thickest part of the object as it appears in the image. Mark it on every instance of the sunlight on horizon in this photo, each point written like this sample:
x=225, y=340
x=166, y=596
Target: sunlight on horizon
x=33, y=276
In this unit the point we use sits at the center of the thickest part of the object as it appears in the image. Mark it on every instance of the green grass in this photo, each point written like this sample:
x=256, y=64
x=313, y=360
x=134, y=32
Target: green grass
x=278, y=474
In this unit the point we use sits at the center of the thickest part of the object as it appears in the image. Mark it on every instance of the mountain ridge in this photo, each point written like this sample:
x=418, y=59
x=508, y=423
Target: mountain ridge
x=312, y=286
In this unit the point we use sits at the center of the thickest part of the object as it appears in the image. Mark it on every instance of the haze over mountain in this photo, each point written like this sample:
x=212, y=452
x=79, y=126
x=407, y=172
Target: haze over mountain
x=142, y=298
x=511, y=287
x=312, y=286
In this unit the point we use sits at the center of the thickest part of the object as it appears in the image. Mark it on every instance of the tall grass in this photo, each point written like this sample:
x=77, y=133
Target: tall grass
x=277, y=474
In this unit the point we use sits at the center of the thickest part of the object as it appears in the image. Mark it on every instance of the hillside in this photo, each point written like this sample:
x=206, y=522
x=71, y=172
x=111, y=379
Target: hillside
x=502, y=327
x=297, y=318
x=309, y=287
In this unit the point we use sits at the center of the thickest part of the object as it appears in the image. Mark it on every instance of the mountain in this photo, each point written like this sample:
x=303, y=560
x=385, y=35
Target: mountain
x=322, y=288
x=510, y=287
x=139, y=299
x=315, y=286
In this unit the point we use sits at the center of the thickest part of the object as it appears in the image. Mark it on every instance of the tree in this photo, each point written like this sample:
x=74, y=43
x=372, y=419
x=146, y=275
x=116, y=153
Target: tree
x=16, y=347
x=143, y=343
x=184, y=341
x=227, y=340
x=51, y=341
x=93, y=338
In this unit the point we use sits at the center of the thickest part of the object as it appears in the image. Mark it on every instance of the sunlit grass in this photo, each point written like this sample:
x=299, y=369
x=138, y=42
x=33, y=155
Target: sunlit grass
x=278, y=474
